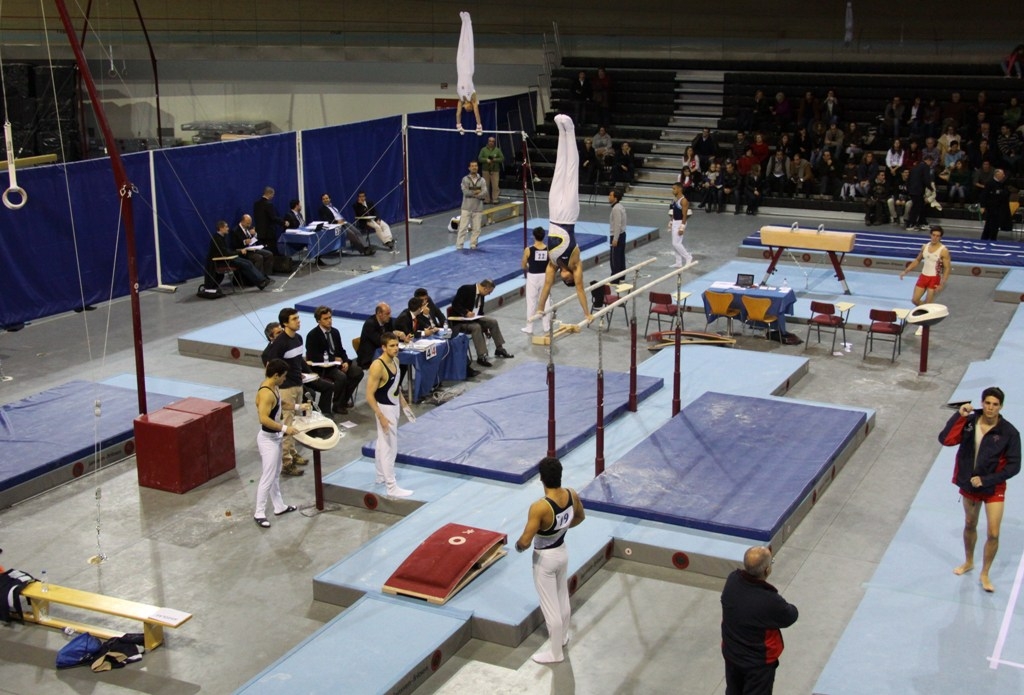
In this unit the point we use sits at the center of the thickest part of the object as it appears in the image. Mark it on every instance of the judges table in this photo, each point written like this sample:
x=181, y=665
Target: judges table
x=312, y=241
x=783, y=300
x=442, y=360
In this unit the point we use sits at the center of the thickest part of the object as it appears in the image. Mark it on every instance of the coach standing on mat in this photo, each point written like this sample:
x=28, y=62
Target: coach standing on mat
x=549, y=519
x=753, y=615
x=474, y=193
x=989, y=455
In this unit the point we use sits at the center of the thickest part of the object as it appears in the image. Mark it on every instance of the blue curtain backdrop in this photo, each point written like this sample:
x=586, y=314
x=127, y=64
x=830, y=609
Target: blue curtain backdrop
x=198, y=185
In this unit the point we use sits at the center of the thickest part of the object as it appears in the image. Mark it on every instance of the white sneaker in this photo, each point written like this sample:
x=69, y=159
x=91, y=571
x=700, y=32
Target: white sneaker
x=399, y=492
x=528, y=331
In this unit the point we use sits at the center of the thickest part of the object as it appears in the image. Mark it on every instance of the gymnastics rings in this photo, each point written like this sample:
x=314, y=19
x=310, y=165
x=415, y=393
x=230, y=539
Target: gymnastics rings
x=13, y=188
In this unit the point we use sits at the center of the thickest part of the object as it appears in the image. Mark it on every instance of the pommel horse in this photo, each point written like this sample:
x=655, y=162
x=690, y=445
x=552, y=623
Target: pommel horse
x=781, y=238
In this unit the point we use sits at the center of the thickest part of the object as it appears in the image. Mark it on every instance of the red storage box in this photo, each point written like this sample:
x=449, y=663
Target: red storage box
x=220, y=432
x=171, y=450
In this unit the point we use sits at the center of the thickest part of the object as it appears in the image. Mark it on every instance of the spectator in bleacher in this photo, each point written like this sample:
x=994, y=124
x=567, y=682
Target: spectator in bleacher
x=953, y=155
x=801, y=177
x=932, y=120
x=603, y=146
x=979, y=106
x=817, y=142
x=982, y=152
x=931, y=147
x=1012, y=113
x=995, y=204
x=948, y=135
x=915, y=118
x=828, y=174
x=776, y=178
x=590, y=167
x=954, y=113
x=833, y=141
x=850, y=180
x=705, y=147
x=757, y=115
x=894, y=159
x=601, y=86
x=854, y=143
x=920, y=180
x=911, y=154
x=691, y=160
x=958, y=181
x=893, y=116
x=625, y=165
x=1014, y=63
x=899, y=198
x=981, y=178
x=581, y=93
x=876, y=210
x=747, y=162
x=801, y=143
x=782, y=113
x=751, y=185
x=982, y=132
x=867, y=170
x=688, y=184
x=730, y=188
x=784, y=143
x=711, y=187
x=760, y=149
x=740, y=145
x=830, y=109
x=808, y=111
x=1009, y=149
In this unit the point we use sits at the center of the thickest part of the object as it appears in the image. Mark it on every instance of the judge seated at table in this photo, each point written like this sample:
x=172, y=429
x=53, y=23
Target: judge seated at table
x=332, y=215
x=221, y=251
x=243, y=239
x=415, y=319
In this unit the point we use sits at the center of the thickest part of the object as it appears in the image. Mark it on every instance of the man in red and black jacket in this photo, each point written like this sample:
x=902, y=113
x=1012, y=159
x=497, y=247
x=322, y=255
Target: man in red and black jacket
x=989, y=455
x=753, y=615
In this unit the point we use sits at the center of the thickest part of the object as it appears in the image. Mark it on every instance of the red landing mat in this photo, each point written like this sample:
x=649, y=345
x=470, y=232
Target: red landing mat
x=449, y=559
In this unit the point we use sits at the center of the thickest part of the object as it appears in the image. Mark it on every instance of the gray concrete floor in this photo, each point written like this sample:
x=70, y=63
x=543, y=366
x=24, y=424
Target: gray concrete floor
x=635, y=628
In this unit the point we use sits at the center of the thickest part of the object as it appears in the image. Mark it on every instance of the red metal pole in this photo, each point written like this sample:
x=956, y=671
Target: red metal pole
x=599, y=456
x=923, y=367
x=677, y=375
x=318, y=481
x=125, y=189
x=632, y=361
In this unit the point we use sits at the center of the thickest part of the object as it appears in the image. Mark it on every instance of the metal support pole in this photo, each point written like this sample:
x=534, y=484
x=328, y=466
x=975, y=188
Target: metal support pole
x=599, y=456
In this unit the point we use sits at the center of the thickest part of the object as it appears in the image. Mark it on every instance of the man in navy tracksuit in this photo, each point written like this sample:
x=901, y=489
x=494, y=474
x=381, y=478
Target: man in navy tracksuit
x=753, y=615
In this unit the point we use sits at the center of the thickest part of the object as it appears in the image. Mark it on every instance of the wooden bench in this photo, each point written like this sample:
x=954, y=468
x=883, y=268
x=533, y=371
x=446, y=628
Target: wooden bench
x=505, y=211
x=153, y=618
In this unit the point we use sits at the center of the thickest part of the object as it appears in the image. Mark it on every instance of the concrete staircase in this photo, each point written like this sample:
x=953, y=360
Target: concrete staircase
x=698, y=105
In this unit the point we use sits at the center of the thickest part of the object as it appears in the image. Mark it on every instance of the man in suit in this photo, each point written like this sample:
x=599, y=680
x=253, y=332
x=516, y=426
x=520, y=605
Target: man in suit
x=366, y=214
x=469, y=304
x=243, y=237
x=324, y=345
x=373, y=330
x=436, y=316
x=330, y=214
x=221, y=247
x=415, y=319
x=266, y=220
x=293, y=219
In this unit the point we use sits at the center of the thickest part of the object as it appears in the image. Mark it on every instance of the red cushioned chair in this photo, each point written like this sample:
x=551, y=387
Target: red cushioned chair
x=661, y=304
x=885, y=326
x=825, y=317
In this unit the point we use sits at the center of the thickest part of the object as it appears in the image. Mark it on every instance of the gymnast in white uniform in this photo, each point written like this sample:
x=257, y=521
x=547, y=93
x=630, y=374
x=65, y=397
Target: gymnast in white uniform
x=465, y=64
x=384, y=398
x=564, y=210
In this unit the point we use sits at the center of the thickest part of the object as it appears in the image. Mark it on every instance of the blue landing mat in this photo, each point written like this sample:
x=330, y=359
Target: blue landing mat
x=497, y=257
x=43, y=432
x=728, y=464
x=962, y=251
x=499, y=429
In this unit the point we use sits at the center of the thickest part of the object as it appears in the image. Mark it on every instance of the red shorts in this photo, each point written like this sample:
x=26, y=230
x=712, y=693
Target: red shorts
x=928, y=281
x=998, y=496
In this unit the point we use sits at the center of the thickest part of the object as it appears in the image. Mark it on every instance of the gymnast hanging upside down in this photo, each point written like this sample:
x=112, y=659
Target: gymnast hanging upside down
x=465, y=64
x=564, y=204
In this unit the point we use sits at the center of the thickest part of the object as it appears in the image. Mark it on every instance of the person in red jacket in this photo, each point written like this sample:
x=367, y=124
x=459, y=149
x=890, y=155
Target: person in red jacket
x=989, y=455
x=753, y=615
